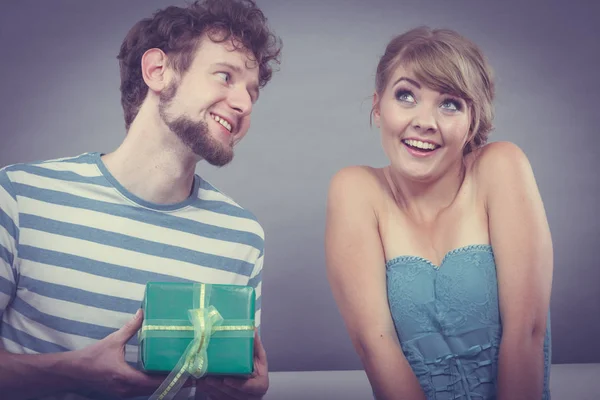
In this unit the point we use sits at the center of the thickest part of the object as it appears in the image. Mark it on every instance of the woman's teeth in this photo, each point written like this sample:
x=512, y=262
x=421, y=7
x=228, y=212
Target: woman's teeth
x=220, y=120
x=420, y=145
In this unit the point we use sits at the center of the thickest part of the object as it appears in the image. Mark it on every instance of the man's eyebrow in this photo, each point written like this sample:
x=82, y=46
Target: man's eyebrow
x=230, y=66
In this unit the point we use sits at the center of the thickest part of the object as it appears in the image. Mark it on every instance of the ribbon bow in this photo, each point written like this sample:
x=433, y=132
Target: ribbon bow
x=193, y=362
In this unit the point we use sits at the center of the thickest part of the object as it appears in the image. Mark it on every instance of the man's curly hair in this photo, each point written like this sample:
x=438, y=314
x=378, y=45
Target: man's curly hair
x=176, y=31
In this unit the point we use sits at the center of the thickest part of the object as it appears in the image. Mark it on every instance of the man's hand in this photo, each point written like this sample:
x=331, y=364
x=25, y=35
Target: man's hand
x=103, y=367
x=98, y=368
x=253, y=388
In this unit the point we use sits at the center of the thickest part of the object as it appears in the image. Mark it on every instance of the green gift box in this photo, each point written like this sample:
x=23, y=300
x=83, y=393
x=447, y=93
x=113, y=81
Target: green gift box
x=168, y=329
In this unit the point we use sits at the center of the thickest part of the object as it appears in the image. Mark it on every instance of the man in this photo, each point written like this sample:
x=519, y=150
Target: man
x=81, y=236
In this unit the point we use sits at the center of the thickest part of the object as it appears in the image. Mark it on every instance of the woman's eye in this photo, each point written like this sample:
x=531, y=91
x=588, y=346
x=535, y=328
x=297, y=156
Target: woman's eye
x=451, y=104
x=224, y=75
x=405, y=95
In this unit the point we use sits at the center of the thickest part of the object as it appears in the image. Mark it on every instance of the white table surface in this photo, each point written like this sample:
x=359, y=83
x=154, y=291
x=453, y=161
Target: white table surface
x=567, y=382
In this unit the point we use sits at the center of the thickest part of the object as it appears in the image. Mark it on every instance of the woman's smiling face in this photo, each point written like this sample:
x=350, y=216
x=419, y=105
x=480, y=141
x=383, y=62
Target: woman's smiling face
x=423, y=131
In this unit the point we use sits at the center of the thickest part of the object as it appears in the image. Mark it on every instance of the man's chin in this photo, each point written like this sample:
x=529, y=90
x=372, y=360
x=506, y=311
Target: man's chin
x=216, y=160
x=220, y=163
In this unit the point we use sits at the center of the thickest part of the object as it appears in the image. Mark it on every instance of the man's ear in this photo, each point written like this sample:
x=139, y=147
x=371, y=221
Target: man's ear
x=375, y=110
x=154, y=70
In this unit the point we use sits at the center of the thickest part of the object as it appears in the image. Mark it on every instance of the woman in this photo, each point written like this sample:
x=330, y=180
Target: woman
x=441, y=262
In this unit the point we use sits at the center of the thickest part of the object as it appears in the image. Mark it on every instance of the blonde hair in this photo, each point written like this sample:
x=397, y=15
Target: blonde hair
x=446, y=62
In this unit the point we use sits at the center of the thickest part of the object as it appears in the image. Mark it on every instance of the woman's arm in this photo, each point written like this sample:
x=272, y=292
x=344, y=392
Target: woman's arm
x=520, y=236
x=356, y=272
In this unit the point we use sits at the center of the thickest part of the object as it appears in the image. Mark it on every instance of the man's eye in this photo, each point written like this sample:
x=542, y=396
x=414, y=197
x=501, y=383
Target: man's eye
x=224, y=75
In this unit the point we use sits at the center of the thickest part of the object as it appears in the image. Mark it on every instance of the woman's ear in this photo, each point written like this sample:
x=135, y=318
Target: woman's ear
x=375, y=110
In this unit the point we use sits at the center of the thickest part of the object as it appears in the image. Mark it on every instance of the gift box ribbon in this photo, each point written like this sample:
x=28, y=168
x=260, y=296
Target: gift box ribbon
x=206, y=322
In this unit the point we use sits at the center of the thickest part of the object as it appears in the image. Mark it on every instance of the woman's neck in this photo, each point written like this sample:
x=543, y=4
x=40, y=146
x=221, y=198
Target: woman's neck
x=425, y=200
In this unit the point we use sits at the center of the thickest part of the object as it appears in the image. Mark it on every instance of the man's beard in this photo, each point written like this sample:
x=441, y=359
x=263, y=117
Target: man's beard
x=194, y=134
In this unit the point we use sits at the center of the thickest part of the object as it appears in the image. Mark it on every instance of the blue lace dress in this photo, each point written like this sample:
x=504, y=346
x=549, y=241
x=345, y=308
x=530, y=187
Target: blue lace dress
x=448, y=322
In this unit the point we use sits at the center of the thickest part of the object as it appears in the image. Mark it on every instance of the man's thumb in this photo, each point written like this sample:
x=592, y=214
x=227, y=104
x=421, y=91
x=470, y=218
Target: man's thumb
x=130, y=328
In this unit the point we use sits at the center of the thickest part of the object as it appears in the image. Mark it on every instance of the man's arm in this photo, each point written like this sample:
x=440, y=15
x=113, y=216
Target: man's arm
x=100, y=367
x=23, y=376
x=9, y=234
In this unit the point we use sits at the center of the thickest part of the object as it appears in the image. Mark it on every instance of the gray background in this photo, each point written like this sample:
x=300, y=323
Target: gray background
x=59, y=97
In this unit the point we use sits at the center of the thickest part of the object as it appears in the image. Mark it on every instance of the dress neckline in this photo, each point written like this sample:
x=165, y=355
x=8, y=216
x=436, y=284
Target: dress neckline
x=458, y=250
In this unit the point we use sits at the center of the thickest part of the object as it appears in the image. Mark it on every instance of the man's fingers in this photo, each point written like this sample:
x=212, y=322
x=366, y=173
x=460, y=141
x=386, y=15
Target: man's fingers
x=229, y=392
x=130, y=328
x=259, y=350
x=211, y=391
x=214, y=394
x=248, y=386
x=235, y=383
x=140, y=379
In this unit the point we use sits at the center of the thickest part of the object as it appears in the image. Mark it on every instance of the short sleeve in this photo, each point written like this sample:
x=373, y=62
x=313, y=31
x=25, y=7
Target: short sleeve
x=9, y=237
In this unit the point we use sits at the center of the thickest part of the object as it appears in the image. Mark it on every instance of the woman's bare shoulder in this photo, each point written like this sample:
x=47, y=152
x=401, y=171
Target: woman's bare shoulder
x=357, y=188
x=358, y=179
x=496, y=159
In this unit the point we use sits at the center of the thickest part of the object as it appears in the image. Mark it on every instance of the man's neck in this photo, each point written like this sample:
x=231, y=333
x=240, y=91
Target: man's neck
x=152, y=163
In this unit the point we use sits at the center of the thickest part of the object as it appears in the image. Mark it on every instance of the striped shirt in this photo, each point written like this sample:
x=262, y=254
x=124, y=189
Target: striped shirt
x=76, y=250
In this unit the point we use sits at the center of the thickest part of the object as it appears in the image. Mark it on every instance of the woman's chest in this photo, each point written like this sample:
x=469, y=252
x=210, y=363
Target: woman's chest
x=461, y=293
x=463, y=224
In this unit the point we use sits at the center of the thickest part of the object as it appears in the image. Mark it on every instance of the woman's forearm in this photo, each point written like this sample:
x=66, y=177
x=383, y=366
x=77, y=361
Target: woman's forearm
x=521, y=368
x=389, y=373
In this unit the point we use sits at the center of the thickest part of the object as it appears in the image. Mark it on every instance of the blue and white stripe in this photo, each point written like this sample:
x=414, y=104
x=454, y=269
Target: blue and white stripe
x=76, y=250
